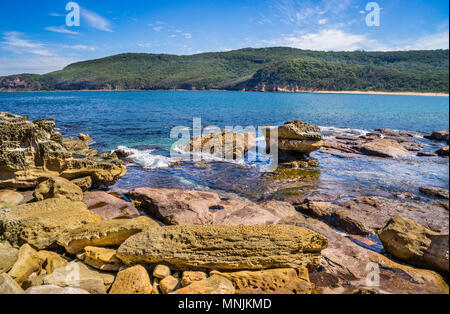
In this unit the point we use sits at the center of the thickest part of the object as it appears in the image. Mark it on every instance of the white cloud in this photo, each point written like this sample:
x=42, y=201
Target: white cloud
x=322, y=21
x=331, y=39
x=56, y=14
x=172, y=36
x=37, y=65
x=79, y=47
x=15, y=42
x=188, y=35
x=432, y=41
x=96, y=21
x=60, y=29
x=158, y=28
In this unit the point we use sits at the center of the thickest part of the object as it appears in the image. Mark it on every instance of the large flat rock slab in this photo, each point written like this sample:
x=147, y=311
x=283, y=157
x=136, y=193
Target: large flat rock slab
x=180, y=207
x=225, y=247
x=40, y=224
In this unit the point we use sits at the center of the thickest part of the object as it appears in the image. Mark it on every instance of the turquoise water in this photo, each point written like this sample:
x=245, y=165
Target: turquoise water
x=143, y=120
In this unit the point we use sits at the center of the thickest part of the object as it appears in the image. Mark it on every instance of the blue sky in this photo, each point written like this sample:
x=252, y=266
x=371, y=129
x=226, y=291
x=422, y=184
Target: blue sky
x=34, y=37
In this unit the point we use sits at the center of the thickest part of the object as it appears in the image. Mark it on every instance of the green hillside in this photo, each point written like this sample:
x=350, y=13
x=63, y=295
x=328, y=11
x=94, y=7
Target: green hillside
x=250, y=69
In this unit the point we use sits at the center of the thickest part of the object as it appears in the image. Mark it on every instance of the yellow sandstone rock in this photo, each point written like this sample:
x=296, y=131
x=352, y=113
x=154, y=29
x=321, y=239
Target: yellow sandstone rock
x=28, y=263
x=134, y=280
x=109, y=233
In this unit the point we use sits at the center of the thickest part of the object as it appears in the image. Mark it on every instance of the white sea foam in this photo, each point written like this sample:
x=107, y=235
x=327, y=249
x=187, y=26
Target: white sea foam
x=146, y=159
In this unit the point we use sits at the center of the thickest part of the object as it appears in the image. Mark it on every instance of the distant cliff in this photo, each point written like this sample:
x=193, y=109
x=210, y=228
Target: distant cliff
x=267, y=69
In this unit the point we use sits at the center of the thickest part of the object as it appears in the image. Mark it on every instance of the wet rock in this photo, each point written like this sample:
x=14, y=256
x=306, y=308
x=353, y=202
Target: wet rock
x=161, y=271
x=272, y=281
x=441, y=193
x=8, y=256
x=101, y=258
x=9, y=286
x=427, y=154
x=384, y=148
x=77, y=275
x=54, y=290
x=180, y=207
x=83, y=183
x=412, y=146
x=224, y=247
x=133, y=280
x=169, y=284
x=84, y=137
x=415, y=244
x=443, y=152
x=346, y=267
x=10, y=198
x=58, y=188
x=40, y=224
x=108, y=206
x=110, y=233
x=213, y=285
x=192, y=276
x=31, y=152
x=28, y=262
x=438, y=136
x=224, y=144
x=342, y=147
x=367, y=215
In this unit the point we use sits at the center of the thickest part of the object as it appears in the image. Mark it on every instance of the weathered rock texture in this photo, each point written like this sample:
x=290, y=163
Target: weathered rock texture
x=58, y=188
x=110, y=233
x=31, y=152
x=180, y=207
x=297, y=137
x=40, y=224
x=271, y=281
x=10, y=198
x=225, y=247
x=224, y=144
x=133, y=280
x=415, y=244
x=8, y=256
x=213, y=285
x=108, y=206
x=384, y=148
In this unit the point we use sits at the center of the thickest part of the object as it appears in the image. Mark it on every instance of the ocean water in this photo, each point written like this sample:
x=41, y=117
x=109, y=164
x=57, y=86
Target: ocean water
x=142, y=121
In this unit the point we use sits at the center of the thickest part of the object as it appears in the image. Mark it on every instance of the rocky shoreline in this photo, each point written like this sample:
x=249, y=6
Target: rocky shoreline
x=62, y=231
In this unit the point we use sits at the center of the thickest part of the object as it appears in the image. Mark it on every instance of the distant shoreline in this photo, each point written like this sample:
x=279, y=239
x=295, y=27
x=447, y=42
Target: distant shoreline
x=226, y=90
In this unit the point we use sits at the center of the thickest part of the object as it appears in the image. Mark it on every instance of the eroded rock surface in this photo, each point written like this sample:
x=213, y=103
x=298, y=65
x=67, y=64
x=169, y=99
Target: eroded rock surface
x=225, y=247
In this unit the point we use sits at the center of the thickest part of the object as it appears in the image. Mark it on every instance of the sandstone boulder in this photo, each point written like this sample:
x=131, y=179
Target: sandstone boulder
x=443, y=152
x=161, y=272
x=40, y=224
x=101, y=258
x=213, y=285
x=77, y=275
x=9, y=286
x=271, y=281
x=31, y=152
x=438, y=136
x=441, y=193
x=8, y=256
x=367, y=215
x=51, y=261
x=110, y=233
x=28, y=262
x=133, y=280
x=108, y=206
x=83, y=183
x=347, y=267
x=169, y=284
x=415, y=244
x=10, y=198
x=297, y=137
x=58, y=188
x=192, y=276
x=180, y=207
x=225, y=247
x=224, y=144
x=384, y=148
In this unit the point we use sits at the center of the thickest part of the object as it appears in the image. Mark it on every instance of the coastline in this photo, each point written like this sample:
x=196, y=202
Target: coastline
x=427, y=94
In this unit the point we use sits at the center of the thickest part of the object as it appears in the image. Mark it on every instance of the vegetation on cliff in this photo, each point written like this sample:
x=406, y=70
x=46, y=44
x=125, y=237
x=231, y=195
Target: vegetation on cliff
x=250, y=69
